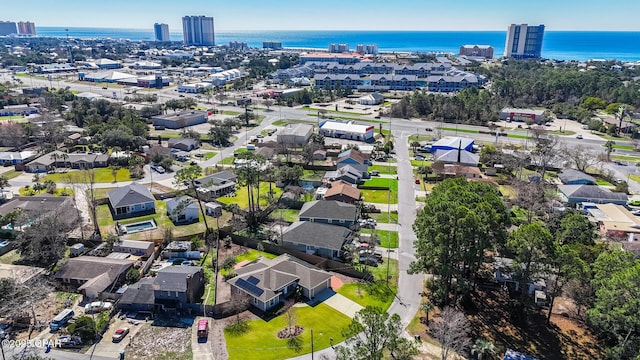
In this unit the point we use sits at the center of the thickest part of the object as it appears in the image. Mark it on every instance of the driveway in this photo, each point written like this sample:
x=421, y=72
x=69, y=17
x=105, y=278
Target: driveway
x=107, y=348
x=338, y=302
x=201, y=350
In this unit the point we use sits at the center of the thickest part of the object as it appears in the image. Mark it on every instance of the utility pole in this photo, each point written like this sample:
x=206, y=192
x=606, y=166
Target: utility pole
x=311, y=344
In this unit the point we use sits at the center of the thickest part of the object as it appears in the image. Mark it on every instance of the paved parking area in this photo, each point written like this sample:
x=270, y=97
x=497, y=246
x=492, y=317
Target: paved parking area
x=106, y=347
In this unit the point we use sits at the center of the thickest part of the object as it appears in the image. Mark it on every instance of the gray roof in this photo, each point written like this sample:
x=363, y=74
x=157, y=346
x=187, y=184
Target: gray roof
x=570, y=175
x=135, y=244
x=218, y=178
x=451, y=156
x=89, y=267
x=130, y=195
x=181, y=116
x=174, y=202
x=34, y=204
x=139, y=293
x=592, y=192
x=266, y=278
x=73, y=158
x=173, y=278
x=186, y=141
x=328, y=209
x=320, y=235
x=296, y=129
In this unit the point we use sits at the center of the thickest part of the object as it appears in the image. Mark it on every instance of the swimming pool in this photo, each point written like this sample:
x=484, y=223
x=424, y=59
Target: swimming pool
x=139, y=226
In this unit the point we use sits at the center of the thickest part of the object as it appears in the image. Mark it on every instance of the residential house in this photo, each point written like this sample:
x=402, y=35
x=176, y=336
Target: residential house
x=177, y=286
x=346, y=173
x=329, y=212
x=461, y=157
x=270, y=282
x=182, y=210
x=504, y=272
x=616, y=222
x=134, y=247
x=453, y=143
x=94, y=275
x=37, y=207
x=184, y=144
x=343, y=191
x=131, y=200
x=575, y=177
x=319, y=155
x=575, y=194
x=470, y=172
x=15, y=157
x=138, y=297
x=215, y=185
x=317, y=238
x=58, y=159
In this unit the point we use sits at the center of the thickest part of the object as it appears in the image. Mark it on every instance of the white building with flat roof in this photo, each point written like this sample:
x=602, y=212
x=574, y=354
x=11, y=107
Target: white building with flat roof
x=346, y=130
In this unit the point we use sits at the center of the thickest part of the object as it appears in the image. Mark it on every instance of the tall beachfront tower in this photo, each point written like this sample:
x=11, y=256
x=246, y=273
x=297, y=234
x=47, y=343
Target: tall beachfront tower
x=26, y=28
x=161, y=32
x=198, y=30
x=8, y=28
x=524, y=41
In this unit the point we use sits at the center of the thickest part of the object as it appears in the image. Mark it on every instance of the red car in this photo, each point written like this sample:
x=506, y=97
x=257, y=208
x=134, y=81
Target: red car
x=120, y=334
x=417, y=181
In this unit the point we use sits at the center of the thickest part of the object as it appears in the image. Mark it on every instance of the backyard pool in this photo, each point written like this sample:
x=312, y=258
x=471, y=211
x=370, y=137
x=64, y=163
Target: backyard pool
x=139, y=226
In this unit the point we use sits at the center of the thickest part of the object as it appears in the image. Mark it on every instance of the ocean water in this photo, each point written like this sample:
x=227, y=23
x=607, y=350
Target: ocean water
x=561, y=45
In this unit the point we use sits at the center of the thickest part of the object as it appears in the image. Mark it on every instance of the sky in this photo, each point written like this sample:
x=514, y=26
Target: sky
x=611, y=15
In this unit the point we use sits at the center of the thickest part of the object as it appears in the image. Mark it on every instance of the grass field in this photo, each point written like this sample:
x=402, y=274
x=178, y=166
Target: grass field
x=102, y=175
x=376, y=293
x=379, y=196
x=59, y=192
x=227, y=161
x=418, y=163
x=242, y=197
x=384, y=169
x=12, y=174
x=326, y=323
x=289, y=215
x=388, y=239
x=383, y=217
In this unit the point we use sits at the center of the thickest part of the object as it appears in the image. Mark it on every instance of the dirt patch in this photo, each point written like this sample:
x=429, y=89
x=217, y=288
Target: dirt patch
x=154, y=342
x=290, y=332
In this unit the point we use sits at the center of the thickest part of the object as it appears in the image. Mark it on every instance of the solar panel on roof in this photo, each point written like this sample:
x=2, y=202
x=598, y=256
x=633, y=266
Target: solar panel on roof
x=253, y=280
x=252, y=289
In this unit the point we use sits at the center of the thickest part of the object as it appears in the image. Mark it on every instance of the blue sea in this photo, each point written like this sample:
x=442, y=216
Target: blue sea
x=561, y=45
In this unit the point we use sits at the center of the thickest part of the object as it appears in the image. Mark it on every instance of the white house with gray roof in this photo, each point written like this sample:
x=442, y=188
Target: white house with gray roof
x=131, y=200
x=270, y=282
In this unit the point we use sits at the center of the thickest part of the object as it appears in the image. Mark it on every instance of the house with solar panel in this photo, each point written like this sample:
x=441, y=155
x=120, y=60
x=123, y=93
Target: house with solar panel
x=270, y=281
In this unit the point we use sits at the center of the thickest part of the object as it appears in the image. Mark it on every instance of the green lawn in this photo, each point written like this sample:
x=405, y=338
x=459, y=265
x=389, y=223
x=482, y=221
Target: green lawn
x=470, y=131
x=242, y=197
x=209, y=288
x=312, y=175
x=59, y=192
x=106, y=223
x=102, y=175
x=385, y=235
x=376, y=293
x=260, y=341
x=603, y=182
x=390, y=183
x=632, y=159
x=12, y=174
x=289, y=215
x=254, y=255
x=379, y=196
x=209, y=154
x=383, y=217
x=384, y=169
x=285, y=122
x=635, y=178
x=418, y=163
x=421, y=137
x=229, y=112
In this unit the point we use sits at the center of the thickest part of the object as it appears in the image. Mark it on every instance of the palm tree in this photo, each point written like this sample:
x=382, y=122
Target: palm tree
x=483, y=349
x=609, y=145
x=64, y=158
x=415, y=145
x=426, y=307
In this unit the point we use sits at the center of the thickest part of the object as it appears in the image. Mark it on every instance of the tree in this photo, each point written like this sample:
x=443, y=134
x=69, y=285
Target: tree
x=581, y=157
x=15, y=298
x=452, y=332
x=220, y=134
x=414, y=145
x=85, y=327
x=4, y=182
x=609, y=146
x=545, y=151
x=371, y=332
x=132, y=276
x=189, y=175
x=483, y=349
x=530, y=197
x=459, y=222
x=426, y=307
x=533, y=248
x=110, y=240
x=86, y=184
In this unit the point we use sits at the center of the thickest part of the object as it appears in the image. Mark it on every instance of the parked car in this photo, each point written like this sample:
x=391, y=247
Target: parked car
x=69, y=341
x=374, y=173
x=97, y=306
x=368, y=260
x=120, y=334
x=5, y=329
x=159, y=169
x=259, y=136
x=578, y=136
x=417, y=181
x=428, y=129
x=418, y=157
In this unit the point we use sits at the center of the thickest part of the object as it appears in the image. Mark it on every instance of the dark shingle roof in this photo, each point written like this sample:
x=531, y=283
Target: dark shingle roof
x=320, y=235
x=327, y=209
x=89, y=267
x=130, y=195
x=139, y=293
x=173, y=278
x=592, y=192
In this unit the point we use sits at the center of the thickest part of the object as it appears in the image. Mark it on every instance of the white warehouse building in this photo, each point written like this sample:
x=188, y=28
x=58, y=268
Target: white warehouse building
x=347, y=130
x=297, y=134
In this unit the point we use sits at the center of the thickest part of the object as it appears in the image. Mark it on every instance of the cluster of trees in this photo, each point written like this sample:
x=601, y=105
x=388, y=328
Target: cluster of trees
x=462, y=221
x=183, y=103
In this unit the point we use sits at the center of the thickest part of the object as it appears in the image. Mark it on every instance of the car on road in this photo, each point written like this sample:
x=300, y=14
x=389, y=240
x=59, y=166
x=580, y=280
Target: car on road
x=158, y=168
x=620, y=163
x=120, y=334
x=417, y=181
x=199, y=155
x=259, y=136
x=428, y=129
x=635, y=212
x=578, y=136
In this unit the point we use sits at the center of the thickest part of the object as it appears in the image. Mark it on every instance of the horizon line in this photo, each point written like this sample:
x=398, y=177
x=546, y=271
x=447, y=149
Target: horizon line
x=150, y=28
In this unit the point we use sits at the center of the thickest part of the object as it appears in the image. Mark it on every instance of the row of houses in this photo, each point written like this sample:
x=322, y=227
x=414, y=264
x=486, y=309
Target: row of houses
x=452, y=81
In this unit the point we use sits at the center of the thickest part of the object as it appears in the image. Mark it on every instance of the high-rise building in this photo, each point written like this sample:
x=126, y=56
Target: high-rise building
x=26, y=28
x=338, y=48
x=367, y=49
x=161, y=31
x=273, y=45
x=7, y=28
x=198, y=30
x=524, y=42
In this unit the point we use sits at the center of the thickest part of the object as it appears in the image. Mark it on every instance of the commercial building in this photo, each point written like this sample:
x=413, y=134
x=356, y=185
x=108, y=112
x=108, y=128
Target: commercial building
x=371, y=49
x=485, y=51
x=198, y=30
x=26, y=28
x=272, y=45
x=346, y=130
x=7, y=28
x=295, y=134
x=524, y=41
x=513, y=114
x=180, y=120
x=161, y=32
x=616, y=222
